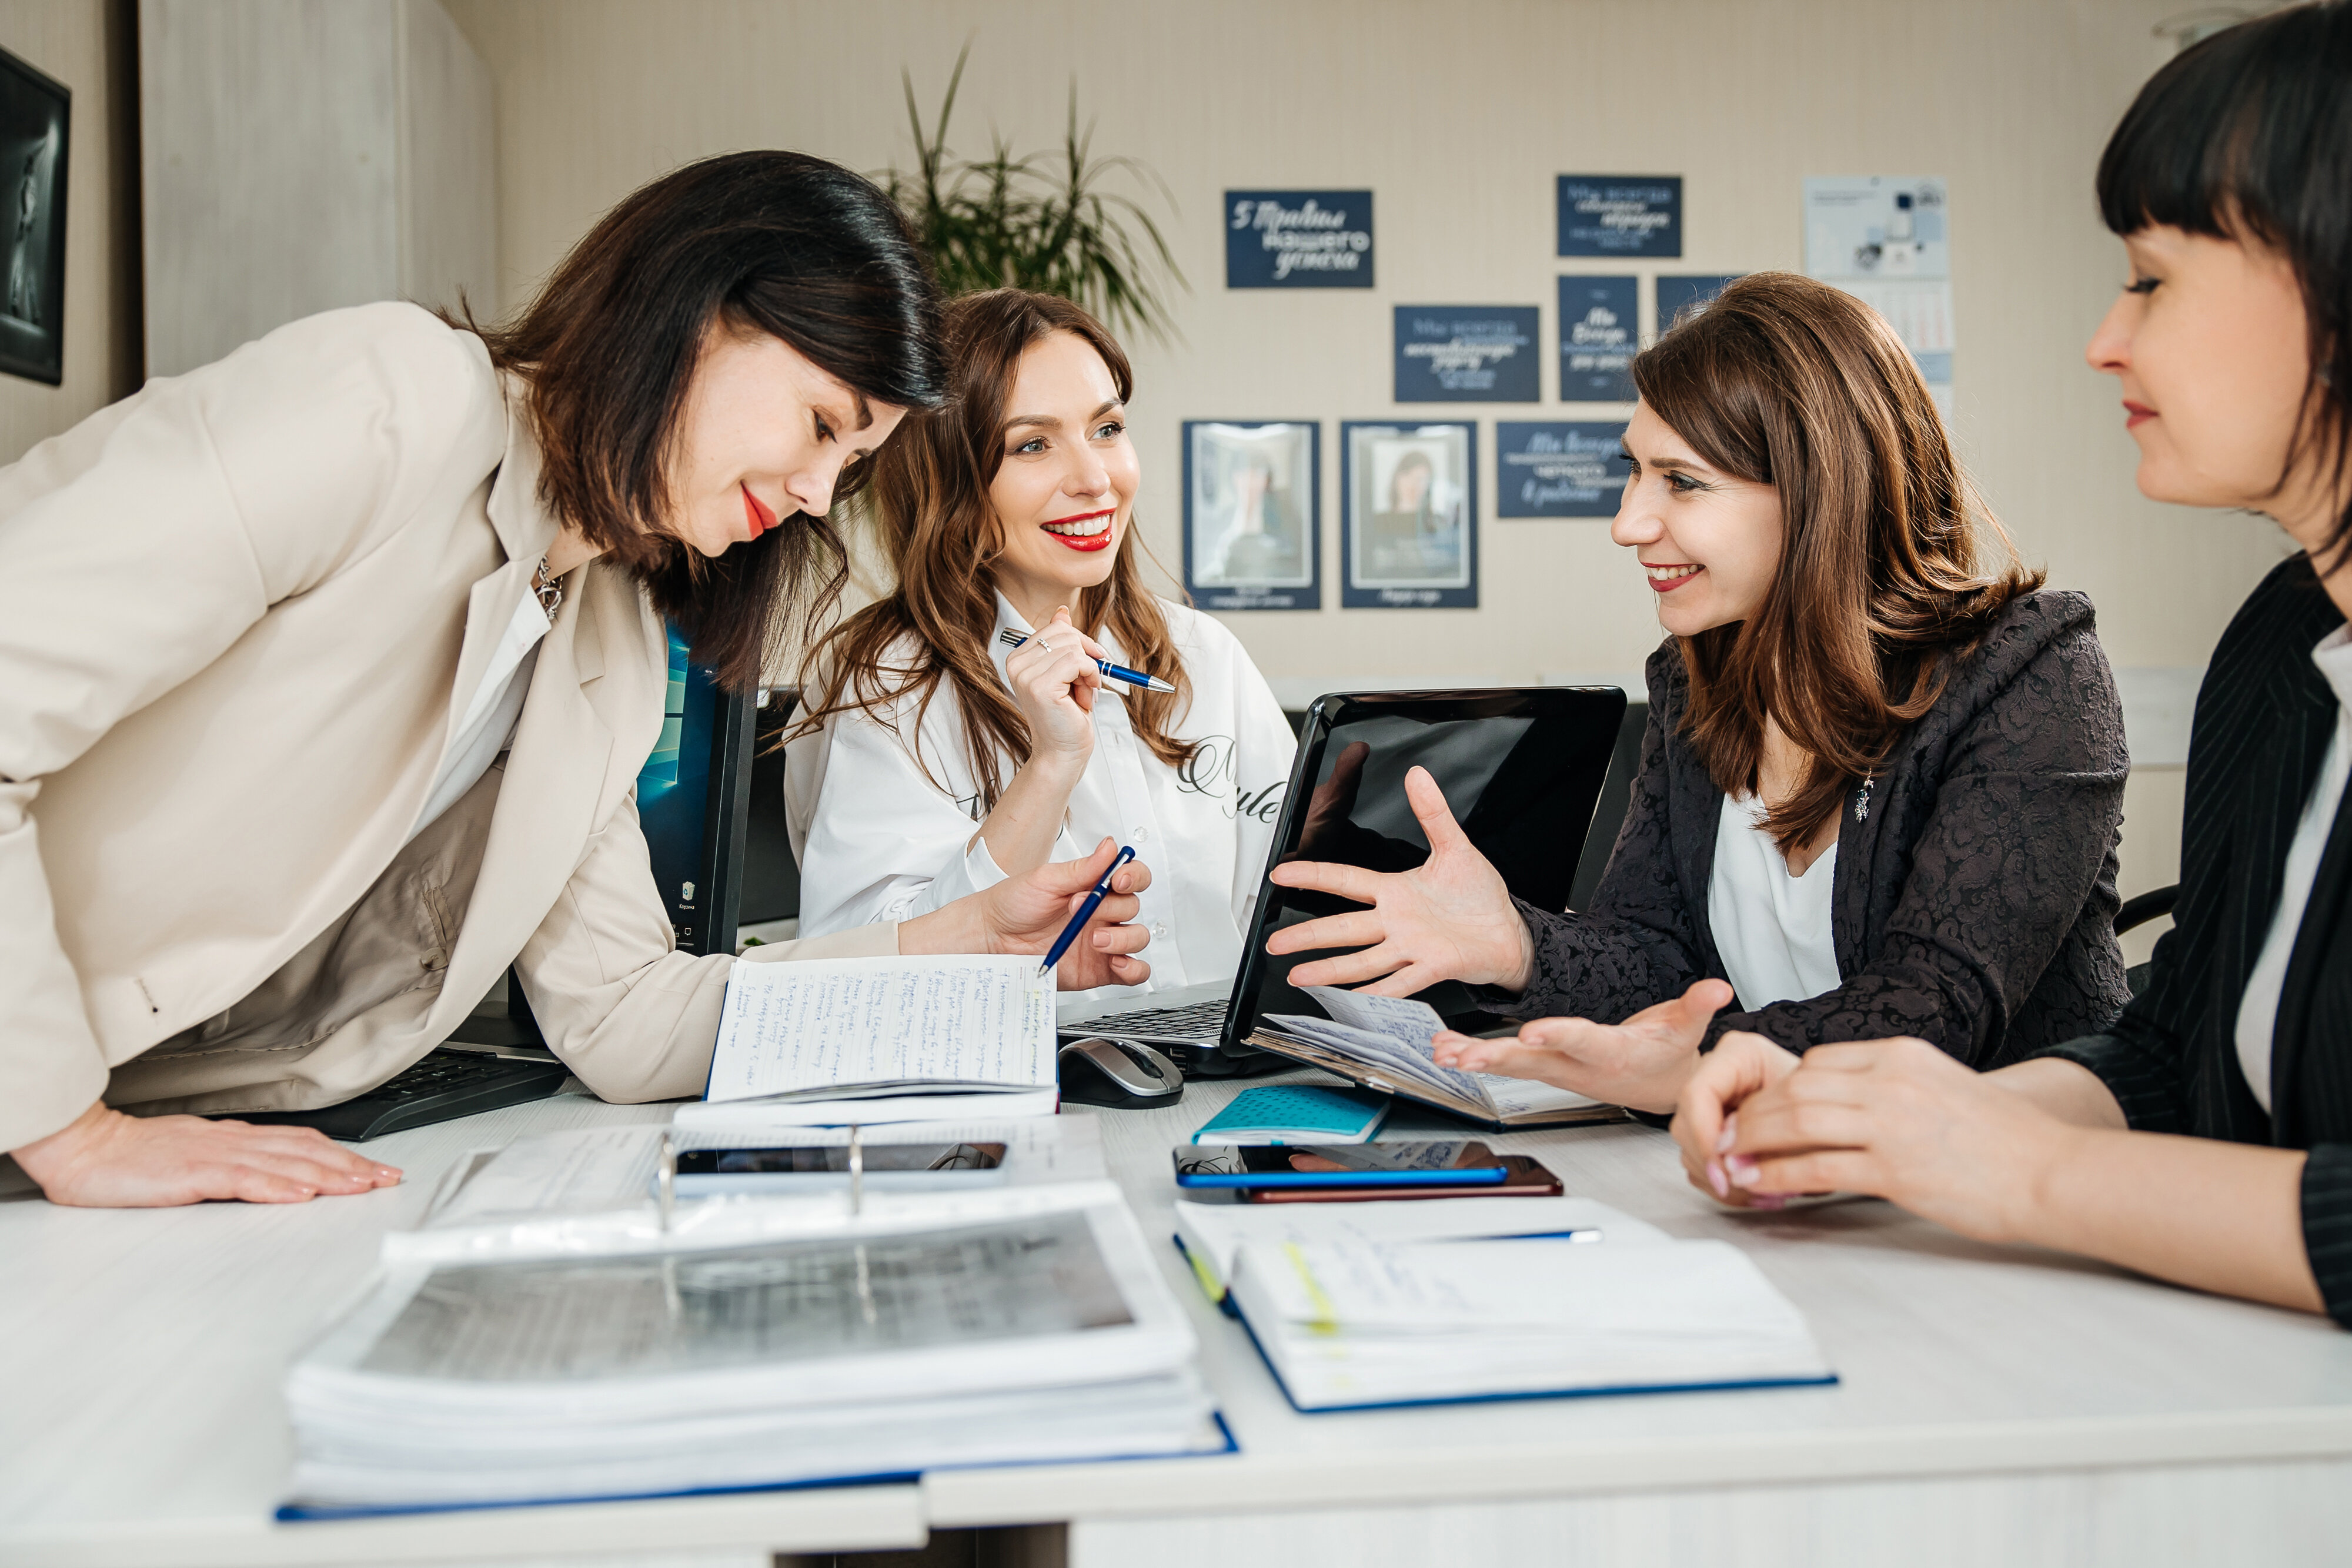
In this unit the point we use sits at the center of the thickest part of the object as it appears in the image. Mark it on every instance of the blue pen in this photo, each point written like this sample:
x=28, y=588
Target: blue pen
x=1013, y=639
x=1086, y=910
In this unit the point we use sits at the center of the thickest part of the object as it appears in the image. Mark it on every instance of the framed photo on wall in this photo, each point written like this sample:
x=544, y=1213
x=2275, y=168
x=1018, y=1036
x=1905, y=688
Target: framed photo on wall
x=34, y=115
x=1252, y=514
x=1410, y=496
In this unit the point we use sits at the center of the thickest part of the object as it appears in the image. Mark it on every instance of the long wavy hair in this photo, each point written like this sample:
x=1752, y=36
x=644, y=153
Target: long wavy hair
x=1882, y=583
x=929, y=502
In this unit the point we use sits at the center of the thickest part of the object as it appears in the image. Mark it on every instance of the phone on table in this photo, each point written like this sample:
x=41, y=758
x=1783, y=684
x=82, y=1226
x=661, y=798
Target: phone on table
x=823, y=1167
x=1452, y=1163
x=1523, y=1176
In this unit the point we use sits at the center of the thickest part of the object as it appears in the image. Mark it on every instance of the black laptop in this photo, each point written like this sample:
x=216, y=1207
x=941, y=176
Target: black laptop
x=1522, y=770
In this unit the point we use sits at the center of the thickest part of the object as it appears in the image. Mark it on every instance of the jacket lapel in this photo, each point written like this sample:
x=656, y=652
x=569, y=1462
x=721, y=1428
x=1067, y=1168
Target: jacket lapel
x=525, y=530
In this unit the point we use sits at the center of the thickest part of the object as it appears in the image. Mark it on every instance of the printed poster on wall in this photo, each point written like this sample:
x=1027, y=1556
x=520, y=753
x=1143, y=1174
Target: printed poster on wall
x=1409, y=500
x=1251, y=514
x=1678, y=292
x=1620, y=215
x=1467, y=353
x=1598, y=322
x=1559, y=468
x=1299, y=239
x=1886, y=239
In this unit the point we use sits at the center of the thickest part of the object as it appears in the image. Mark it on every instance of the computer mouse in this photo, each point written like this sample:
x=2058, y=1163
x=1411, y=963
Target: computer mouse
x=1120, y=1074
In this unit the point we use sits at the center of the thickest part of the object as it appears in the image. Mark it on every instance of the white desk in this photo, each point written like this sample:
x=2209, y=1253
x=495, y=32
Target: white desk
x=1999, y=1405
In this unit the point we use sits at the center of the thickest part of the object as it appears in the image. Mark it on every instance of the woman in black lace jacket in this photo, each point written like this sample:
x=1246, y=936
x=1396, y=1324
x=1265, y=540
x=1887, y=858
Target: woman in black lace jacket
x=2231, y=182
x=1881, y=780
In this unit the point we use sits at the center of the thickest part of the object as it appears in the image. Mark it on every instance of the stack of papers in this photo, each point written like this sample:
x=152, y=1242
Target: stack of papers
x=884, y=1346
x=1347, y=1324
x=1384, y=1042
x=834, y=1041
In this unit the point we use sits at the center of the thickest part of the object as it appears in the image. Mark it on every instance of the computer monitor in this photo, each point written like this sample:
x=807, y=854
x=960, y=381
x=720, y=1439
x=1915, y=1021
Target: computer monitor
x=694, y=797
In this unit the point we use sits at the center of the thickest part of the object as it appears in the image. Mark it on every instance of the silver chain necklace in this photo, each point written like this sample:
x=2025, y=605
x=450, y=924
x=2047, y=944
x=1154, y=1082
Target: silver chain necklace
x=550, y=594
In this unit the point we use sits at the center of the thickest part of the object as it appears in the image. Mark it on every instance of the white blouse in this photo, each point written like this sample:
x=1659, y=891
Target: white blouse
x=877, y=840
x=1772, y=929
x=2258, y=1008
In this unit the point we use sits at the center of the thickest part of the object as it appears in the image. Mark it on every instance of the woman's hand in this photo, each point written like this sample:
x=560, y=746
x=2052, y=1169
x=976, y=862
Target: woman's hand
x=105, y=1159
x=1026, y=914
x=1054, y=682
x=1741, y=1066
x=1900, y=1120
x=1643, y=1062
x=1449, y=918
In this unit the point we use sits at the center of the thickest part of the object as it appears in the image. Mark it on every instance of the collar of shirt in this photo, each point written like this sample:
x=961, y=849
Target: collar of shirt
x=2333, y=655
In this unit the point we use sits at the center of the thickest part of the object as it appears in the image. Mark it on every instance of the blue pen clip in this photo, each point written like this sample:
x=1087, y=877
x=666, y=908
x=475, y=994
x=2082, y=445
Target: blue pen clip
x=1085, y=911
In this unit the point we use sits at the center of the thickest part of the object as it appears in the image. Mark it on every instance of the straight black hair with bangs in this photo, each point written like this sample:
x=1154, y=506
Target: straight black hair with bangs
x=2248, y=136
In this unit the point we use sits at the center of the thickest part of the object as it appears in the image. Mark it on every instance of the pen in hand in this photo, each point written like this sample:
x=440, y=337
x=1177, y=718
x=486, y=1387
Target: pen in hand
x=1116, y=672
x=1086, y=910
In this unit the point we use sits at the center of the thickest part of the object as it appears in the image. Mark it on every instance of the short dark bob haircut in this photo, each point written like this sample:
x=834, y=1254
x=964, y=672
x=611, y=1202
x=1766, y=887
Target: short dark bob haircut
x=774, y=243
x=2248, y=136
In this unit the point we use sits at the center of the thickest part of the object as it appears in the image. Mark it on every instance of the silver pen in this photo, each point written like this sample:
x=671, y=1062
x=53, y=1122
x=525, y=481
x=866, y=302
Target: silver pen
x=1013, y=639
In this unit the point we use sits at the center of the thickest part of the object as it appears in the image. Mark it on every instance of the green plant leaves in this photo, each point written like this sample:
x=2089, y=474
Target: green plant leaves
x=1040, y=221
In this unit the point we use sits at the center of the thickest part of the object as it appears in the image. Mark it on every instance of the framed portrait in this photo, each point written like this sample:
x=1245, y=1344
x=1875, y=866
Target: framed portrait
x=35, y=113
x=1410, y=495
x=1252, y=514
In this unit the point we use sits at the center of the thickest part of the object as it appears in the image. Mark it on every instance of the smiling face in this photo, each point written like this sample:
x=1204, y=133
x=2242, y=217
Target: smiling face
x=1065, y=494
x=1709, y=543
x=2211, y=344
x=764, y=435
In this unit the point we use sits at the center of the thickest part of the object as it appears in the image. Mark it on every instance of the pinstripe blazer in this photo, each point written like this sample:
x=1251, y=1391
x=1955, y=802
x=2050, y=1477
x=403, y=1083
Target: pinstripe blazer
x=2265, y=716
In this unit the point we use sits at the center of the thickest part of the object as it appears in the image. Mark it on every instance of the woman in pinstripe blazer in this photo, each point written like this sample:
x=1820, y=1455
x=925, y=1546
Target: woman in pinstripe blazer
x=2231, y=182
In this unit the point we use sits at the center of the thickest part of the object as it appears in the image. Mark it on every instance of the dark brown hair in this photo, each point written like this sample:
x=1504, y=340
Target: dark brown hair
x=774, y=243
x=929, y=500
x=2248, y=136
x=1788, y=383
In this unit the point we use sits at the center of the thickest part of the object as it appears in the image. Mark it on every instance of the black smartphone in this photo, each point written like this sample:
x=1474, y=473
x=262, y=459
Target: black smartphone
x=1523, y=1176
x=888, y=1168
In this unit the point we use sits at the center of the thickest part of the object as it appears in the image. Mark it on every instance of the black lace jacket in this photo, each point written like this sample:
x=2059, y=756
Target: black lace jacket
x=1972, y=905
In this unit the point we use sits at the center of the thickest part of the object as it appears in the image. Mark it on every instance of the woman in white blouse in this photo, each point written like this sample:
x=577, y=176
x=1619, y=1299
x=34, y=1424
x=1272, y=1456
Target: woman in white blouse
x=935, y=760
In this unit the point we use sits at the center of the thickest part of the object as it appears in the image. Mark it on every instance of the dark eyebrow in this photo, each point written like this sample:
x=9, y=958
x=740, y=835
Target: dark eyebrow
x=865, y=411
x=1047, y=421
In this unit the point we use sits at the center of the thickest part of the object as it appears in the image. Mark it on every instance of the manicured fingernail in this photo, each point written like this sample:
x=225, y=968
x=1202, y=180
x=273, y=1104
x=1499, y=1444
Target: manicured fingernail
x=1726, y=1138
x=1745, y=1175
x=1714, y=1178
x=1740, y=1162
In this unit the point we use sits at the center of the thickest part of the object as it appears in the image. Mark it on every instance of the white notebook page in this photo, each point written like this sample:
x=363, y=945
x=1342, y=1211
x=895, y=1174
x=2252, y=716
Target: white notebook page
x=827, y=1023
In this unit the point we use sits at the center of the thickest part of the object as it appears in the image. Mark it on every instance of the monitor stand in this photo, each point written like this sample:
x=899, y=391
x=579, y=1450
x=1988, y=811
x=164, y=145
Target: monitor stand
x=501, y=1025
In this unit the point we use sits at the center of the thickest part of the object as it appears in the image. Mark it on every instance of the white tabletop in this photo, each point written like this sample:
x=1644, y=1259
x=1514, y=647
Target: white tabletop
x=142, y=1354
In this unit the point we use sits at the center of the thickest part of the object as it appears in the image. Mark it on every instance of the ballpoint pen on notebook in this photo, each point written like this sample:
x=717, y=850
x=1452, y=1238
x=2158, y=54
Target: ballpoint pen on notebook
x=1086, y=910
x=1013, y=639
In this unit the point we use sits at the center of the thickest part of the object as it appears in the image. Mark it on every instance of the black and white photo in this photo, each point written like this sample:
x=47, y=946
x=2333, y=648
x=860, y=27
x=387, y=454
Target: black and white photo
x=35, y=113
x=1410, y=535
x=1251, y=535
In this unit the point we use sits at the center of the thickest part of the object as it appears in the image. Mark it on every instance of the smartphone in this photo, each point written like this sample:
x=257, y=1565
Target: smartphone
x=1287, y=1166
x=888, y=1168
x=1523, y=1176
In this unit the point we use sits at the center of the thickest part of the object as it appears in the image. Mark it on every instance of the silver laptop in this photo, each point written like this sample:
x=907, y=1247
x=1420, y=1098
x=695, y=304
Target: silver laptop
x=1522, y=768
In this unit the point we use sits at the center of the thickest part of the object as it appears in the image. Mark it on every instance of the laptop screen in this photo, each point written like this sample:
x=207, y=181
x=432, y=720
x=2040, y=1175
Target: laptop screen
x=1522, y=770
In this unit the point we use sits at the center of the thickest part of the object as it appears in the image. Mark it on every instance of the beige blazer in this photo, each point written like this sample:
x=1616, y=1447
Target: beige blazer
x=239, y=615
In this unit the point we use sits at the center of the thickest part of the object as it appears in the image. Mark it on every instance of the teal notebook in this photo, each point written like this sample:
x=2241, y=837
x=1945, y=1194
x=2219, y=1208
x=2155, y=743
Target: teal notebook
x=1289, y=1113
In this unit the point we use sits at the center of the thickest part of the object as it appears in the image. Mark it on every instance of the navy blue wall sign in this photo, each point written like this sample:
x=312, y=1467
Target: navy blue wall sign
x=1599, y=318
x=1677, y=294
x=1620, y=214
x=1299, y=239
x=1409, y=501
x=1558, y=468
x=1252, y=508
x=1467, y=353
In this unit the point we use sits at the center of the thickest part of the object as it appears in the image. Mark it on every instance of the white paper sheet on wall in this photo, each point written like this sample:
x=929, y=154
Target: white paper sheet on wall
x=1886, y=239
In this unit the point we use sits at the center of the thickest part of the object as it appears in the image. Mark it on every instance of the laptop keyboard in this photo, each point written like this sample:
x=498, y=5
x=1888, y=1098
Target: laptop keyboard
x=1202, y=1020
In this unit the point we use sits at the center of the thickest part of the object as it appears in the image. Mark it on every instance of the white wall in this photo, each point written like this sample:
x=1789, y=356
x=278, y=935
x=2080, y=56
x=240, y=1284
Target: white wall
x=1458, y=117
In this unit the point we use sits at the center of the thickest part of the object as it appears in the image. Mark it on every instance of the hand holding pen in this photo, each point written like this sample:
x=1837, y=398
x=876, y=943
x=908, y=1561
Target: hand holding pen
x=1090, y=652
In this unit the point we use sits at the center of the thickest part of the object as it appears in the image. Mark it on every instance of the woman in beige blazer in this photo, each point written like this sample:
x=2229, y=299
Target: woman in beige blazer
x=326, y=671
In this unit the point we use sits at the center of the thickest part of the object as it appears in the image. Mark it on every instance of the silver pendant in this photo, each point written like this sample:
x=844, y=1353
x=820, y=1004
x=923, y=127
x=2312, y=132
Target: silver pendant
x=1861, y=803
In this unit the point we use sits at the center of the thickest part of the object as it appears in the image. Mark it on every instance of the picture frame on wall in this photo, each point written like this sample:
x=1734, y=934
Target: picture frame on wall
x=1252, y=514
x=36, y=116
x=1408, y=492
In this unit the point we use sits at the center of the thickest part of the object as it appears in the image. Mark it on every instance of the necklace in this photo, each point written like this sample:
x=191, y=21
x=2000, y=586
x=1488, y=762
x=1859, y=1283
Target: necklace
x=550, y=594
x=1861, y=803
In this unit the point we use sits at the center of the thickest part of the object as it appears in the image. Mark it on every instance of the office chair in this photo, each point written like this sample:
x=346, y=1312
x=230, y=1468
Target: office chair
x=2152, y=905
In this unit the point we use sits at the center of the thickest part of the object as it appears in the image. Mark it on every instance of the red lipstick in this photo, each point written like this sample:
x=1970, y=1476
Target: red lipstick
x=2134, y=412
x=1084, y=544
x=755, y=513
